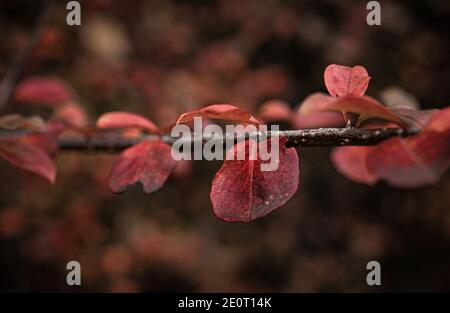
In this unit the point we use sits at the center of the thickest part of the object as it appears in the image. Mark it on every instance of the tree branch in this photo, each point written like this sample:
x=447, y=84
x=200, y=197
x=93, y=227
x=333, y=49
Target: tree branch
x=16, y=69
x=322, y=137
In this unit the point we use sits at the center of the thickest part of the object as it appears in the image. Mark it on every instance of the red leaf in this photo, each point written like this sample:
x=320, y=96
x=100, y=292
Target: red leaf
x=42, y=90
x=318, y=120
x=412, y=162
x=71, y=113
x=343, y=80
x=366, y=107
x=242, y=192
x=148, y=162
x=351, y=162
x=275, y=110
x=440, y=121
x=219, y=112
x=44, y=141
x=411, y=117
x=125, y=119
x=28, y=157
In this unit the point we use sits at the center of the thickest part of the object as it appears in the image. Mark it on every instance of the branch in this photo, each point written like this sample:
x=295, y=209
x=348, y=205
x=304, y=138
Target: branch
x=16, y=69
x=322, y=137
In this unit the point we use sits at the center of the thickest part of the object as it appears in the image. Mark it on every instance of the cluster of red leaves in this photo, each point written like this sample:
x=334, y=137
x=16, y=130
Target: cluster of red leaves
x=410, y=162
x=254, y=195
x=240, y=190
x=35, y=149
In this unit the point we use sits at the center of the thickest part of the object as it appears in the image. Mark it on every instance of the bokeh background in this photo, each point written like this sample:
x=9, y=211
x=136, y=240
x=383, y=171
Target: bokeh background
x=162, y=58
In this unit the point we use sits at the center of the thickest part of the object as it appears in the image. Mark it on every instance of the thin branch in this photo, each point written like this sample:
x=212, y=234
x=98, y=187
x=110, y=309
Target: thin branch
x=322, y=137
x=16, y=69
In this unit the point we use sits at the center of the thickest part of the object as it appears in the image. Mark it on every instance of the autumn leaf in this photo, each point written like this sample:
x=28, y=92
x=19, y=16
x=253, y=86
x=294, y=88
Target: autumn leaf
x=125, y=119
x=343, y=80
x=275, y=110
x=72, y=114
x=350, y=161
x=412, y=162
x=148, y=162
x=241, y=192
x=440, y=121
x=42, y=90
x=411, y=117
x=219, y=112
x=366, y=107
x=28, y=157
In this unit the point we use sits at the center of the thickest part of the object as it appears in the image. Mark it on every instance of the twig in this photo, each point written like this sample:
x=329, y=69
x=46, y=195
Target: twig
x=16, y=69
x=322, y=137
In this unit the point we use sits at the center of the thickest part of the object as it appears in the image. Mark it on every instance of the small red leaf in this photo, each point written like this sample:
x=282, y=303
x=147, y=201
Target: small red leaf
x=343, y=80
x=366, y=107
x=125, y=119
x=42, y=90
x=219, y=112
x=242, y=192
x=351, y=162
x=412, y=162
x=275, y=110
x=28, y=157
x=440, y=121
x=71, y=113
x=148, y=162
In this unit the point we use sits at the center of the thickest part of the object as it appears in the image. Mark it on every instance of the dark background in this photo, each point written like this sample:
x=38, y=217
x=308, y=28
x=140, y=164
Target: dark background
x=162, y=58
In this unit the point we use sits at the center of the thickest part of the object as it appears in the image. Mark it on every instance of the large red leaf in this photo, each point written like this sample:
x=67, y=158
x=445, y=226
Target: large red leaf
x=219, y=112
x=125, y=119
x=28, y=157
x=242, y=192
x=42, y=90
x=148, y=162
x=366, y=107
x=343, y=80
x=350, y=161
x=412, y=162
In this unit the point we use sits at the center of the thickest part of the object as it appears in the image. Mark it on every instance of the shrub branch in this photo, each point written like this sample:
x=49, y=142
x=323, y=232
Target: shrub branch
x=321, y=137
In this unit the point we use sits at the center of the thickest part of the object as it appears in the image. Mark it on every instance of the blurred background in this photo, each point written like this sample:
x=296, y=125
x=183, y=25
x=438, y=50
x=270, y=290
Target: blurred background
x=162, y=58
